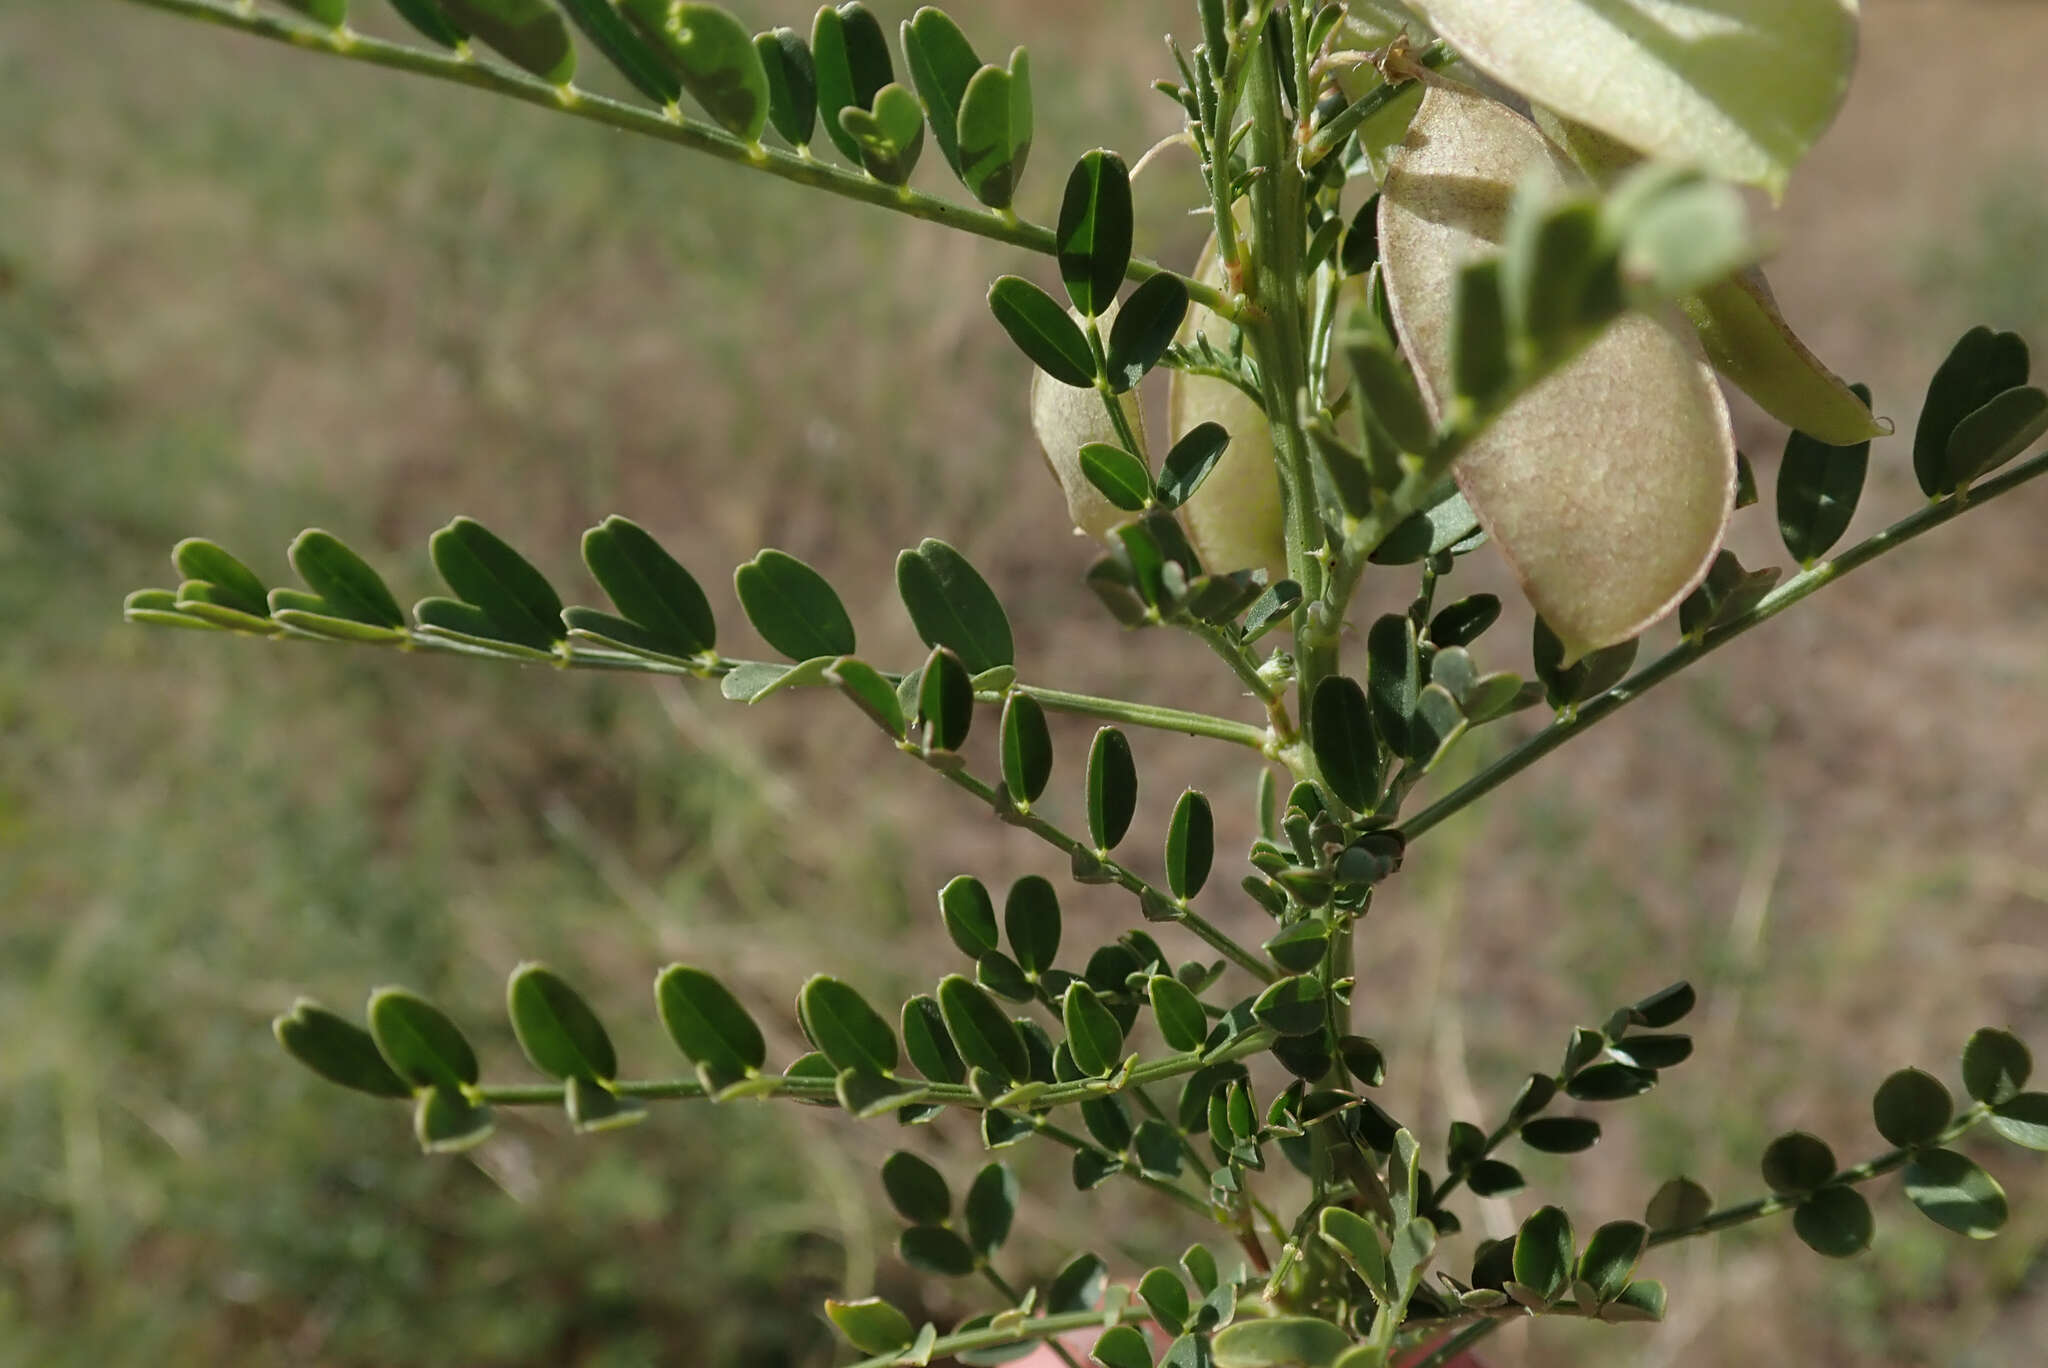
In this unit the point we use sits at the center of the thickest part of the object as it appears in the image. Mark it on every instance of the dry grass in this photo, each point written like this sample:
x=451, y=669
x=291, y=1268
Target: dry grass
x=252, y=292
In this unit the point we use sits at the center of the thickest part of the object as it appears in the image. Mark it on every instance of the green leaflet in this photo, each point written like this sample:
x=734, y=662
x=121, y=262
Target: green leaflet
x=714, y=56
x=850, y=59
x=612, y=34
x=792, y=84
x=529, y=34
x=890, y=136
x=995, y=130
x=870, y=1325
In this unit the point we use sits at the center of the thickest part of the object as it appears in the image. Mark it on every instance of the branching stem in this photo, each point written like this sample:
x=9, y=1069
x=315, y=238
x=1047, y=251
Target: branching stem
x=1712, y=1223
x=1039, y=1328
x=821, y=1089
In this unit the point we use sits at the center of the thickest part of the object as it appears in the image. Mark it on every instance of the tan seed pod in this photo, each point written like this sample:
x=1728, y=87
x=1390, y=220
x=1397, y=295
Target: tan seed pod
x=1067, y=418
x=1608, y=486
x=1234, y=519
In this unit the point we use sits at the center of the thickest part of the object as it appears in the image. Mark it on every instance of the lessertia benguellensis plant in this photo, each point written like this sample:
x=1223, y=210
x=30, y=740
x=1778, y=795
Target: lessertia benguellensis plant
x=1475, y=265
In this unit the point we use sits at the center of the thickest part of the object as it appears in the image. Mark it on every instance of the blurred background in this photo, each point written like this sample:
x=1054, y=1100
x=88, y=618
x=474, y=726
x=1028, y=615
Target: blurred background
x=244, y=291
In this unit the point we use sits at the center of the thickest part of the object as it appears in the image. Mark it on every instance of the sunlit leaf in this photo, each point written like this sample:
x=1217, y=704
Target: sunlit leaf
x=1741, y=88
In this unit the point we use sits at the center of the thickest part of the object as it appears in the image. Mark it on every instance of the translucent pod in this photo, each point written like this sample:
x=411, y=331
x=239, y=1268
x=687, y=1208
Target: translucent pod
x=1234, y=519
x=1746, y=337
x=1608, y=486
x=1067, y=418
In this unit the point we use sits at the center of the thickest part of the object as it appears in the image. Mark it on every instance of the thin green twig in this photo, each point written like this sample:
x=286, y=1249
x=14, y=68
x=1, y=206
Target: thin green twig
x=1023, y=1332
x=1492, y=1318
x=1801, y=585
x=1457, y=1344
x=579, y=655
x=1003, y=1289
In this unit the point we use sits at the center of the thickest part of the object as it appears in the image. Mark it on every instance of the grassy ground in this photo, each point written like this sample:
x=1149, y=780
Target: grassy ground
x=243, y=291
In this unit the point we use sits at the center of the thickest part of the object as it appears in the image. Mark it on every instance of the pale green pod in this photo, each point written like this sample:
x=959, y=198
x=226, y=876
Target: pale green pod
x=1740, y=88
x=1746, y=337
x=1609, y=485
x=1749, y=341
x=1234, y=519
x=1067, y=418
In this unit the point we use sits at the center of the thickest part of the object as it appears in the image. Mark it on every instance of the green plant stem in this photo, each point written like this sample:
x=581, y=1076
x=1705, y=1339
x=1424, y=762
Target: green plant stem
x=1000, y=225
x=1233, y=651
x=1246, y=1228
x=809, y=1089
x=1026, y=1332
x=1157, y=904
x=1806, y=582
x=1729, y=1217
x=1300, y=18
x=1003, y=1289
x=1455, y=1179
x=1112, y=401
x=1362, y=536
x=575, y=655
x=1185, y=361
x=1144, y=715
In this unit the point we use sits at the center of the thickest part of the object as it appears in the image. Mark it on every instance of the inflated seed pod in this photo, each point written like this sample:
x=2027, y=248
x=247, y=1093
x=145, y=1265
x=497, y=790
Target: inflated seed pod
x=1609, y=485
x=1751, y=344
x=1067, y=418
x=1746, y=337
x=1234, y=519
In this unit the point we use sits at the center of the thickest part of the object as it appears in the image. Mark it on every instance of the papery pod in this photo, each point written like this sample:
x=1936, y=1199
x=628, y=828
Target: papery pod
x=1609, y=485
x=1740, y=88
x=1234, y=519
x=1379, y=135
x=1069, y=417
x=1750, y=343
x=1746, y=338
